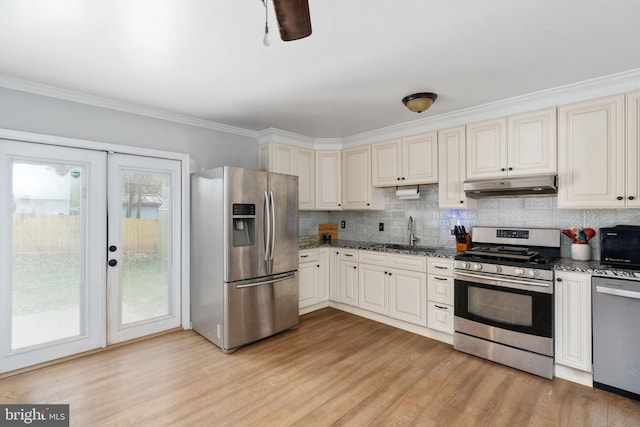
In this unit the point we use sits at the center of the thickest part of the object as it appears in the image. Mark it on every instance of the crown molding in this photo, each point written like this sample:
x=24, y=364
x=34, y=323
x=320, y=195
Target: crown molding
x=588, y=89
x=97, y=101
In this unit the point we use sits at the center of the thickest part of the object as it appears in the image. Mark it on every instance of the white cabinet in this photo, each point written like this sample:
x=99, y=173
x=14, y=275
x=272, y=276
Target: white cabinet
x=334, y=274
x=440, y=294
x=394, y=285
x=373, y=288
x=597, y=155
x=519, y=145
x=309, y=277
x=349, y=277
x=573, y=320
x=328, y=180
x=324, y=283
x=452, y=165
x=357, y=192
x=291, y=160
x=406, y=161
x=531, y=143
x=487, y=148
x=407, y=295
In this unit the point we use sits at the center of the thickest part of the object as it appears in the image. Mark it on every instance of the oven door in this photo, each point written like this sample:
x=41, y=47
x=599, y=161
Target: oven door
x=514, y=312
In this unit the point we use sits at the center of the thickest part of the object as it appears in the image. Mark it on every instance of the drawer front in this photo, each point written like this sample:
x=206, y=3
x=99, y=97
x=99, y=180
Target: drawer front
x=408, y=262
x=441, y=267
x=440, y=289
x=349, y=255
x=376, y=258
x=308, y=255
x=440, y=317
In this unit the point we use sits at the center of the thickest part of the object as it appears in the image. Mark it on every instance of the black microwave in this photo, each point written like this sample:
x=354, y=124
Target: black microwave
x=620, y=246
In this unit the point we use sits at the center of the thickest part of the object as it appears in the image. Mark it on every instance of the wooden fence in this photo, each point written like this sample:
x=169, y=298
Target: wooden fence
x=61, y=233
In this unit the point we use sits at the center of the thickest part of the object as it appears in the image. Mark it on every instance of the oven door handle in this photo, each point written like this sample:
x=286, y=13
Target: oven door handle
x=496, y=281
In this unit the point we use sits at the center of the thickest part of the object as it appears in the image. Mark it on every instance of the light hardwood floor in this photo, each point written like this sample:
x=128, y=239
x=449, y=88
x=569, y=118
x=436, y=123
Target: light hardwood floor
x=335, y=369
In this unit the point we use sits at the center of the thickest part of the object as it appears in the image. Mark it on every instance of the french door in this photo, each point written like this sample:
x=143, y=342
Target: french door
x=59, y=294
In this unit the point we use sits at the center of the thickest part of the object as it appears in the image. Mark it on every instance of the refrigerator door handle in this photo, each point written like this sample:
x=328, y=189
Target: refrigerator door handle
x=273, y=222
x=267, y=229
x=266, y=282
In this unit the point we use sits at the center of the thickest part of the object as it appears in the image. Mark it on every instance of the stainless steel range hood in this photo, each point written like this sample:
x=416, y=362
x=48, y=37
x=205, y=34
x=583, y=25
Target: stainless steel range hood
x=529, y=186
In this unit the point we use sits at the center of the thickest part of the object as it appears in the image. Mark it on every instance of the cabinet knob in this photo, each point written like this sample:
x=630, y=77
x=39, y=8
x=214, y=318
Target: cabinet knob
x=403, y=178
x=619, y=198
x=398, y=178
x=559, y=279
x=389, y=274
x=354, y=267
x=318, y=265
x=369, y=204
x=631, y=197
x=510, y=169
x=461, y=201
x=502, y=169
x=339, y=204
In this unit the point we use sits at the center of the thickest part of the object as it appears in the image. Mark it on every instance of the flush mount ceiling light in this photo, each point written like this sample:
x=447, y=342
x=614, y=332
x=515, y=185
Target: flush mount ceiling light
x=419, y=102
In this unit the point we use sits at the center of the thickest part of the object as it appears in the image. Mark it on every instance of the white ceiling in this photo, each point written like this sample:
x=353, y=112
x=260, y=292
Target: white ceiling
x=205, y=58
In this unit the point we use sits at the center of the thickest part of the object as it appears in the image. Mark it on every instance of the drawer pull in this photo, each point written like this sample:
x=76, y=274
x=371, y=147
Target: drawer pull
x=348, y=254
x=440, y=267
x=440, y=307
x=303, y=256
x=440, y=278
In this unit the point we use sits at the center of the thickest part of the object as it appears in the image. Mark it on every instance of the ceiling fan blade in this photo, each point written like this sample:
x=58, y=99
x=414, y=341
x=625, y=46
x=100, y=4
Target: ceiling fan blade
x=294, y=19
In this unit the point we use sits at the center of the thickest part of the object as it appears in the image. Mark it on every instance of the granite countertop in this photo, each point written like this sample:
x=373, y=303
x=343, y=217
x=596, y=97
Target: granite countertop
x=429, y=251
x=595, y=268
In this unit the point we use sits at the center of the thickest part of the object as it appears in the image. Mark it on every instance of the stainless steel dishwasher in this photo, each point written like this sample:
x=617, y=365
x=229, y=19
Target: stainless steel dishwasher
x=616, y=336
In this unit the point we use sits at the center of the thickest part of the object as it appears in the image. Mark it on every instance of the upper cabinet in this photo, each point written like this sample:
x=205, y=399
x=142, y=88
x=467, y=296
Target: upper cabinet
x=452, y=166
x=357, y=192
x=597, y=162
x=518, y=145
x=292, y=160
x=405, y=161
x=328, y=180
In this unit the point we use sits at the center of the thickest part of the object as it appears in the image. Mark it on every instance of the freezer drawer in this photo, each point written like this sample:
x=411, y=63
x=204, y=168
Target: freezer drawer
x=256, y=310
x=616, y=342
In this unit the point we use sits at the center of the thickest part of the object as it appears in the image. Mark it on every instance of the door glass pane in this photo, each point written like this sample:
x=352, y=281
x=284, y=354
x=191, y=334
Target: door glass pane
x=146, y=243
x=47, y=262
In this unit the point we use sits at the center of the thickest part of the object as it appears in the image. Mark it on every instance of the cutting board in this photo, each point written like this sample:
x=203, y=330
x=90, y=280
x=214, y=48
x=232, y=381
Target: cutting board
x=331, y=229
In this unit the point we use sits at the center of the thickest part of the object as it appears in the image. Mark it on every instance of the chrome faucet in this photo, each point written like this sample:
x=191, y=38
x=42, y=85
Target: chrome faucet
x=412, y=238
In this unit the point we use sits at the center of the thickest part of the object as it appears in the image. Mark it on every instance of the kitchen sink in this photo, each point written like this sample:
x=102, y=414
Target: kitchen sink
x=402, y=247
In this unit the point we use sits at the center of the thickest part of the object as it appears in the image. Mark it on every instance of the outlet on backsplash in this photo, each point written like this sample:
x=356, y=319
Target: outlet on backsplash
x=381, y=226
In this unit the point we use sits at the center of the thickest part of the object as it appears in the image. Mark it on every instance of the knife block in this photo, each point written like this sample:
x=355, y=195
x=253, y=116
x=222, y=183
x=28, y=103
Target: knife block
x=461, y=247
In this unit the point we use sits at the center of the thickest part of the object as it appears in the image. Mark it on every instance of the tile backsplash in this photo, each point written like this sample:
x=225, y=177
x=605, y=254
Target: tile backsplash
x=431, y=224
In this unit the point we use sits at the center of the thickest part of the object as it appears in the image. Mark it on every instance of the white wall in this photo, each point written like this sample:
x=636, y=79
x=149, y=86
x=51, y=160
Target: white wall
x=208, y=148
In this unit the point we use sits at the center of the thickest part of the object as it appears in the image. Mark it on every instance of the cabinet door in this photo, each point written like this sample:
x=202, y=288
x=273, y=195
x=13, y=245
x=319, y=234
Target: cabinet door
x=407, y=296
x=386, y=164
x=633, y=150
x=309, y=280
x=334, y=275
x=356, y=178
x=591, y=157
x=487, y=149
x=349, y=283
x=328, y=180
x=531, y=147
x=373, y=288
x=281, y=158
x=452, y=166
x=305, y=169
x=573, y=320
x=420, y=159
x=325, y=274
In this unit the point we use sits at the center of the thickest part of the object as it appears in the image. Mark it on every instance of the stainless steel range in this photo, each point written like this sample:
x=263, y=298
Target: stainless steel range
x=504, y=297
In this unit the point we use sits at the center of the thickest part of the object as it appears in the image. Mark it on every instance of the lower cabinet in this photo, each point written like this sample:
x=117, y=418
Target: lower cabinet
x=407, y=296
x=309, y=277
x=373, y=288
x=573, y=320
x=440, y=294
x=349, y=277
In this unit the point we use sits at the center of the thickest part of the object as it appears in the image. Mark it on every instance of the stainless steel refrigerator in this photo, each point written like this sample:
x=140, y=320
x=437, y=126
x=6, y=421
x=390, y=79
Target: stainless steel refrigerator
x=244, y=255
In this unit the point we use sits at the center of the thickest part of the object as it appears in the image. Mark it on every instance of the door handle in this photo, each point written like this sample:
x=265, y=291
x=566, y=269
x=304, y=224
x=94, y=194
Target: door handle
x=618, y=292
x=267, y=231
x=113, y=262
x=273, y=222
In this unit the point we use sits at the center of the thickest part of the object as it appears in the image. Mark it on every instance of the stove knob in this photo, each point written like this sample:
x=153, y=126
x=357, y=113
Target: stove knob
x=498, y=269
x=533, y=273
x=466, y=265
x=477, y=266
x=519, y=271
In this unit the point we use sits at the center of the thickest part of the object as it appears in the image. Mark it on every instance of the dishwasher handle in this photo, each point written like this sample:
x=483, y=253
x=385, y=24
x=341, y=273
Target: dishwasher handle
x=618, y=292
